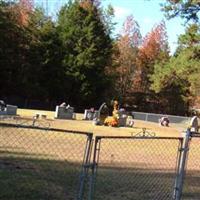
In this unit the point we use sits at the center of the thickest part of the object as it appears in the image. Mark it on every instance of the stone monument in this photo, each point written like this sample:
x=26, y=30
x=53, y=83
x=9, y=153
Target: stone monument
x=64, y=112
x=7, y=109
x=90, y=114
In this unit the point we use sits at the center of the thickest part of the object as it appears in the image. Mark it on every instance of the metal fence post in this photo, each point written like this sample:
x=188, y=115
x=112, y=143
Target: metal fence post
x=184, y=150
x=85, y=167
x=94, y=167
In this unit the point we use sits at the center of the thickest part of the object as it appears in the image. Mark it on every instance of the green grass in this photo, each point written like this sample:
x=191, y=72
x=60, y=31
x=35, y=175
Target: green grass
x=133, y=184
x=34, y=179
x=39, y=165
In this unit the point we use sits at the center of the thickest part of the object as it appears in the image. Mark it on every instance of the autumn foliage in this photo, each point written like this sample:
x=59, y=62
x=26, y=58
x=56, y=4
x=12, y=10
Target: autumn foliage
x=154, y=48
x=77, y=48
x=87, y=4
x=127, y=45
x=155, y=42
x=20, y=12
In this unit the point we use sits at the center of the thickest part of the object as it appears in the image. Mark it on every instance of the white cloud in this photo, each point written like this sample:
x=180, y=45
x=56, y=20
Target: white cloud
x=148, y=20
x=121, y=12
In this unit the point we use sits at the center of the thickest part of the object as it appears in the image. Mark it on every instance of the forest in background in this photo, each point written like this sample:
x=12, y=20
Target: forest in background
x=75, y=58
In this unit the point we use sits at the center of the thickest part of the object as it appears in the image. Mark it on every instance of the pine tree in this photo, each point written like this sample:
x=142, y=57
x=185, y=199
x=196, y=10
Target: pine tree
x=178, y=78
x=87, y=50
x=186, y=9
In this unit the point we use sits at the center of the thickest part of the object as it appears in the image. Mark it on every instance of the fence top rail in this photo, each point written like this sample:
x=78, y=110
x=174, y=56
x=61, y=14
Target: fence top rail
x=44, y=128
x=139, y=137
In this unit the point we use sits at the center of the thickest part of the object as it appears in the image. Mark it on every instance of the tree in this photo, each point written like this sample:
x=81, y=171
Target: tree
x=187, y=9
x=87, y=51
x=13, y=50
x=154, y=49
x=181, y=72
x=190, y=39
x=45, y=60
x=24, y=8
x=30, y=53
x=106, y=14
x=125, y=58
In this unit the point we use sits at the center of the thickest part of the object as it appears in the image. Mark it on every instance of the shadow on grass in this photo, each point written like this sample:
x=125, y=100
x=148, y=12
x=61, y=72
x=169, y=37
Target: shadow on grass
x=192, y=185
x=37, y=179
x=136, y=184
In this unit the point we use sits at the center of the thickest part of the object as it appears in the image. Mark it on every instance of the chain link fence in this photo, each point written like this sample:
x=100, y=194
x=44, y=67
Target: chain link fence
x=135, y=168
x=38, y=162
x=191, y=189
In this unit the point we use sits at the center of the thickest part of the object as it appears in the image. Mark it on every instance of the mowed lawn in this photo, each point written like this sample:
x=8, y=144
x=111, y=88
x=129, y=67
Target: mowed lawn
x=175, y=130
x=37, y=164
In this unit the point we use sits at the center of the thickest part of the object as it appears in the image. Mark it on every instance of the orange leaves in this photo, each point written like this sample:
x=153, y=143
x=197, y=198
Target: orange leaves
x=127, y=45
x=25, y=8
x=87, y=4
x=21, y=11
x=154, y=49
x=154, y=42
x=136, y=57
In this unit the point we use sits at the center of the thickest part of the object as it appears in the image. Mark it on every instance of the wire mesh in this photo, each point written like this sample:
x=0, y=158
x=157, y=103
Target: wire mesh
x=135, y=168
x=191, y=190
x=40, y=163
x=43, y=123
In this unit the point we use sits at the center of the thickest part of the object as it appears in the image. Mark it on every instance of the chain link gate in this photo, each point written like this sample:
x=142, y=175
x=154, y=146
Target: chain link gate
x=135, y=168
x=39, y=162
x=191, y=188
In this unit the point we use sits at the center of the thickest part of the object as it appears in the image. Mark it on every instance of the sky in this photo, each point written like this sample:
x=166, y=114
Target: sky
x=146, y=12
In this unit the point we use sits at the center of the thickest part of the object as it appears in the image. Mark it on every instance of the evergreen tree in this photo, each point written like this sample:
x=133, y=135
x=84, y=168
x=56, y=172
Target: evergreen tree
x=181, y=73
x=87, y=51
x=45, y=60
x=13, y=50
x=187, y=9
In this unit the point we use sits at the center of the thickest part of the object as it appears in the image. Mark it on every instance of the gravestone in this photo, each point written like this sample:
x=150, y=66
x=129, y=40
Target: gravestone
x=7, y=109
x=122, y=117
x=90, y=114
x=64, y=112
x=129, y=121
x=11, y=110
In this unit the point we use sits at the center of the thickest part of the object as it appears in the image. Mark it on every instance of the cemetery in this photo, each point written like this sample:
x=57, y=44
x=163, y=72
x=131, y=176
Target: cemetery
x=79, y=122
x=65, y=116
x=41, y=147
x=101, y=116
x=96, y=99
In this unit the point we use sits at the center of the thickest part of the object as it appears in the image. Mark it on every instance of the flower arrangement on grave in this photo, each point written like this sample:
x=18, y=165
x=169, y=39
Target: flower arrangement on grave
x=114, y=119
